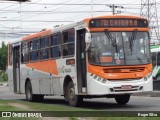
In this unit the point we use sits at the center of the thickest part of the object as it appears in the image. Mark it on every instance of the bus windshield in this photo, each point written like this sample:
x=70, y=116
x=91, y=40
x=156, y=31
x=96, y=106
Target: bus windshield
x=119, y=48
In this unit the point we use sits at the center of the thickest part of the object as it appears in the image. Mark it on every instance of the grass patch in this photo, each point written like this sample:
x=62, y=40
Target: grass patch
x=6, y=105
x=115, y=118
x=16, y=118
x=39, y=106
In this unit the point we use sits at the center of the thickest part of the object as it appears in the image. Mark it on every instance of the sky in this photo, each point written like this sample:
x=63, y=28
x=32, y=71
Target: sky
x=20, y=19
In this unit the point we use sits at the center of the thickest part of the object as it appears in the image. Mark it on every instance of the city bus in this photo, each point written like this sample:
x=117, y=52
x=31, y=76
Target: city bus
x=155, y=53
x=106, y=56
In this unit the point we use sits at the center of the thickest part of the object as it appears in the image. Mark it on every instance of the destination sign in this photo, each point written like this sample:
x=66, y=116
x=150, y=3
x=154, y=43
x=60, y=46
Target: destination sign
x=117, y=22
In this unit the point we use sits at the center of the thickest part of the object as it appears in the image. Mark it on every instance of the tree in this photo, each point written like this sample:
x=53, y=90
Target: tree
x=3, y=56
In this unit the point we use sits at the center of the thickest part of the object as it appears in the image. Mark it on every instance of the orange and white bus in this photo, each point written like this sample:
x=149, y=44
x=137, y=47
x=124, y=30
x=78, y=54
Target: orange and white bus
x=106, y=56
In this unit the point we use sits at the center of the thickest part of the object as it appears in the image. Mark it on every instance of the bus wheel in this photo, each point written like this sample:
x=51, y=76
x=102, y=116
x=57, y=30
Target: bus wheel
x=74, y=100
x=39, y=97
x=29, y=96
x=122, y=99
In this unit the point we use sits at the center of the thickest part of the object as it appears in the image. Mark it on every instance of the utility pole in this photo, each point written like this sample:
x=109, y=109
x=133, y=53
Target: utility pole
x=149, y=11
x=91, y=8
x=113, y=7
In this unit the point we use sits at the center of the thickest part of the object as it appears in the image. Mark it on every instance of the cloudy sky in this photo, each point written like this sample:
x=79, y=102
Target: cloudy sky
x=18, y=20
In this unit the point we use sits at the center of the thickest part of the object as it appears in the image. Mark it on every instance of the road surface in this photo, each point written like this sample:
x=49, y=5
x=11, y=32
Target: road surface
x=136, y=103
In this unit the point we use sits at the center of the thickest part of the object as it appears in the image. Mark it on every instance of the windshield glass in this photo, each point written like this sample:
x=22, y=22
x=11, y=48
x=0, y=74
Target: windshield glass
x=119, y=48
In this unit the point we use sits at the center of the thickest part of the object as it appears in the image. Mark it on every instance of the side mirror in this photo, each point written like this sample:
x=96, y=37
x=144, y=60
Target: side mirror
x=88, y=38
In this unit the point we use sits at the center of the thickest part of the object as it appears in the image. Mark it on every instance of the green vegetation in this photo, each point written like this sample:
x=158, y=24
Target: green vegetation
x=3, y=62
x=115, y=118
x=30, y=106
x=13, y=105
x=3, y=76
x=3, y=56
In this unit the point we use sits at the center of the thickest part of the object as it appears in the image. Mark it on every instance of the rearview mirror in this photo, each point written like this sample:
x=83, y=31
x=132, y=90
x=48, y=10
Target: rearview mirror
x=88, y=37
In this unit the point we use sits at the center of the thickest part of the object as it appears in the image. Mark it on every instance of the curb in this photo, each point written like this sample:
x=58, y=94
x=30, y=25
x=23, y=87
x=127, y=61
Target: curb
x=4, y=84
x=148, y=94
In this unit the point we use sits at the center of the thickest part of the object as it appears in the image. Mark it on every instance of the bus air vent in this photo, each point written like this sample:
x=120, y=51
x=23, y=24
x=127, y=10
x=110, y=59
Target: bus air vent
x=124, y=70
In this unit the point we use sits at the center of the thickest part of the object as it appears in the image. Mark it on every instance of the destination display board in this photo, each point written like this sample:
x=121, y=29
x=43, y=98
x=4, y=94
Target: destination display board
x=117, y=22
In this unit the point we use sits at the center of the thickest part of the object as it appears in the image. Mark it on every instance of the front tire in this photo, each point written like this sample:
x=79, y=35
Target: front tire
x=122, y=99
x=74, y=100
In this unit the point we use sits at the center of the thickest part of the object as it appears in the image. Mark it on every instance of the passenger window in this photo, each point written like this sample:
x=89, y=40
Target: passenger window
x=68, y=42
x=33, y=47
x=44, y=48
x=24, y=52
x=55, y=45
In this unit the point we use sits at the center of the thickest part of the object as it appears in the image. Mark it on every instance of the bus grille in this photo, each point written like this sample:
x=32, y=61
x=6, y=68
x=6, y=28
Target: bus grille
x=124, y=70
x=119, y=89
x=124, y=80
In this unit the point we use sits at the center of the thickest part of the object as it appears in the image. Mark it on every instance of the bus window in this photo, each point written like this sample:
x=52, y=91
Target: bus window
x=68, y=42
x=34, y=49
x=154, y=59
x=68, y=49
x=55, y=45
x=44, y=51
x=35, y=44
x=44, y=42
x=24, y=55
x=56, y=39
x=34, y=56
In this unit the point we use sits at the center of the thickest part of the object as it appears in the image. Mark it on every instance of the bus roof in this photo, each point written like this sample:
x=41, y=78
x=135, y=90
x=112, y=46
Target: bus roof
x=114, y=16
x=83, y=23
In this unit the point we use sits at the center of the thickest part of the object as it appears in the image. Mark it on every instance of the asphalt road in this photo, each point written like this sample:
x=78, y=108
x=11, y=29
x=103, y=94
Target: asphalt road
x=136, y=103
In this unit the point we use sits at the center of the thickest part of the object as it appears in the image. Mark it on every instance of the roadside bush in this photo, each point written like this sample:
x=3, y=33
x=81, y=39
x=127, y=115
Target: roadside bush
x=3, y=76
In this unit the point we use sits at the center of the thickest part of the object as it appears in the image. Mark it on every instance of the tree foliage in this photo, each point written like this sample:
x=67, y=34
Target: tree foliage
x=3, y=56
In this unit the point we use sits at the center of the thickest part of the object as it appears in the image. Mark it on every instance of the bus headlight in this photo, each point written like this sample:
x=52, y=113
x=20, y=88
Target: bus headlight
x=148, y=76
x=104, y=81
x=145, y=78
x=99, y=79
x=95, y=77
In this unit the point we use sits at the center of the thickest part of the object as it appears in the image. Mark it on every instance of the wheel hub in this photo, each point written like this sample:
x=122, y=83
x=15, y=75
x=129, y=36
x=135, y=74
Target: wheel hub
x=72, y=93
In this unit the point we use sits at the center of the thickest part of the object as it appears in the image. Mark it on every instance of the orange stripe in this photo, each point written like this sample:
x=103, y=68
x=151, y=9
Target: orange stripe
x=49, y=66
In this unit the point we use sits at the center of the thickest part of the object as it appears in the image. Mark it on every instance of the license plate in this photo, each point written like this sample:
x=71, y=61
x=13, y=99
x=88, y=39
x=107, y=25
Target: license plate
x=126, y=87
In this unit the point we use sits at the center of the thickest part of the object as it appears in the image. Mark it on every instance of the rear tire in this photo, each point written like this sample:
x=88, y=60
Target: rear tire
x=29, y=94
x=74, y=100
x=122, y=99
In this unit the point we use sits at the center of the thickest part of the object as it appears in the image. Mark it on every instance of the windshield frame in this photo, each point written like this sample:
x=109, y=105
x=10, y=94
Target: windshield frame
x=148, y=58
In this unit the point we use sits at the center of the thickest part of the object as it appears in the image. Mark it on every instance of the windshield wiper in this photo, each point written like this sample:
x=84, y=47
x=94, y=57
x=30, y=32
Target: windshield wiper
x=132, y=39
x=114, y=44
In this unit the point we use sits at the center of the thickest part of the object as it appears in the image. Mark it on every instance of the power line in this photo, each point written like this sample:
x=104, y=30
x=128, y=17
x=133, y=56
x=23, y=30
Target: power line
x=38, y=20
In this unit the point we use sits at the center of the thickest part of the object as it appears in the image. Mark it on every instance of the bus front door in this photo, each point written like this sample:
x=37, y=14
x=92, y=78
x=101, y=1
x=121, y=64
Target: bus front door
x=16, y=69
x=81, y=61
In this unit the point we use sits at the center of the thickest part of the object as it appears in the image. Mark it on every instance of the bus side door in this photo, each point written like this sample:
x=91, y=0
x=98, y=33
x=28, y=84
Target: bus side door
x=81, y=61
x=16, y=68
